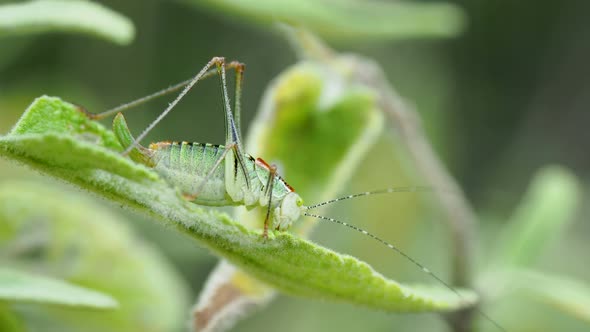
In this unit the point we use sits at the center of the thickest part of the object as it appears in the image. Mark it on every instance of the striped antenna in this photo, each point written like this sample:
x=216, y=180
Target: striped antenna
x=401, y=252
x=375, y=192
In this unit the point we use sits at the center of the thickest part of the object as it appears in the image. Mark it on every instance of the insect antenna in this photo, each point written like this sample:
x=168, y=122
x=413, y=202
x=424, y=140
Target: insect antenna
x=374, y=192
x=406, y=256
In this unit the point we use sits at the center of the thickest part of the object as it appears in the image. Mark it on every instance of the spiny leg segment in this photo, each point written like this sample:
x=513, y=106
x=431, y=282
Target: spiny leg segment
x=268, y=192
x=187, y=88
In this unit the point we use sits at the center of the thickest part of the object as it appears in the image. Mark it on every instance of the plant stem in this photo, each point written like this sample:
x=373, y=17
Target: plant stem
x=459, y=214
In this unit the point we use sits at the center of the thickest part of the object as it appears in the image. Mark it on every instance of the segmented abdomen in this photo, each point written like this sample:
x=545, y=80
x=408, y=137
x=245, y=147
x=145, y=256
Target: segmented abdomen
x=186, y=164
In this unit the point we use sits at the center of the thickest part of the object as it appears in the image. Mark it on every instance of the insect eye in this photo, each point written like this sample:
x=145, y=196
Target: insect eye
x=299, y=202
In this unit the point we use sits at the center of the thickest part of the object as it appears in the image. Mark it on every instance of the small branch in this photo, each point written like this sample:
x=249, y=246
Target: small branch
x=460, y=216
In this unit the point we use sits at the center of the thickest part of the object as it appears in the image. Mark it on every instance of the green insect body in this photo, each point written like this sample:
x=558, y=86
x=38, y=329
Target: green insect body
x=215, y=175
x=194, y=169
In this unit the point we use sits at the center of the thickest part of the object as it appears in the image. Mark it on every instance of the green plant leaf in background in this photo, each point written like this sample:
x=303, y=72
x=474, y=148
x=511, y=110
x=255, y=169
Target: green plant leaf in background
x=351, y=19
x=547, y=208
x=568, y=295
x=46, y=230
x=86, y=17
x=318, y=108
x=287, y=262
x=18, y=286
x=563, y=293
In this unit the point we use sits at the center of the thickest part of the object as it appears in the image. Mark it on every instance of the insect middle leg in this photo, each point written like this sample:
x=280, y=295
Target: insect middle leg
x=268, y=193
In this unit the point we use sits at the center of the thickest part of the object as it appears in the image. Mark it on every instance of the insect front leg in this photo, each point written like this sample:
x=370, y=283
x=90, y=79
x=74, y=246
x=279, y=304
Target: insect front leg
x=268, y=193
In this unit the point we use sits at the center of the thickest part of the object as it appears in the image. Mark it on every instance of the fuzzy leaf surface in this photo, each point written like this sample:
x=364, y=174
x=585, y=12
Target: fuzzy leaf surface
x=70, y=237
x=57, y=138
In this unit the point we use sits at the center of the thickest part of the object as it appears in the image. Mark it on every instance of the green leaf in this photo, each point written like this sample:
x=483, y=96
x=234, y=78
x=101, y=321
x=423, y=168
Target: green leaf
x=351, y=19
x=44, y=136
x=73, y=238
x=67, y=16
x=568, y=295
x=18, y=286
x=315, y=107
x=563, y=293
x=546, y=209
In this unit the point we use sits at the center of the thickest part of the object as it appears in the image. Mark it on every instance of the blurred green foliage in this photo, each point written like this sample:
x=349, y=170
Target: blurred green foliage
x=540, y=218
x=499, y=102
x=350, y=19
x=68, y=16
x=18, y=286
x=86, y=245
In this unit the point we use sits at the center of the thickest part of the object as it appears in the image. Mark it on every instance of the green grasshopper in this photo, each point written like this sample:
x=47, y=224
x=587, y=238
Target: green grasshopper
x=214, y=175
x=222, y=175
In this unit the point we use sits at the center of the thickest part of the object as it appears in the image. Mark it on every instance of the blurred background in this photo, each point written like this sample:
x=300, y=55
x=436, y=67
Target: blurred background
x=505, y=97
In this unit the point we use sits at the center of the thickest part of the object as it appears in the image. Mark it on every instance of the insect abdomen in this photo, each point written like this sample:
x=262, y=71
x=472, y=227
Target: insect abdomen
x=186, y=164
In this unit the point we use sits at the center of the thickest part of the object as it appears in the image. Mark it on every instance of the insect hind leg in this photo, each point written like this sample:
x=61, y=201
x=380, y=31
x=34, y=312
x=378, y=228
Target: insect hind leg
x=238, y=66
x=233, y=130
x=187, y=88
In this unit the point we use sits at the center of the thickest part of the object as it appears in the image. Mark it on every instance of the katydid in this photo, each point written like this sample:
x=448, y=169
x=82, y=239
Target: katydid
x=222, y=175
